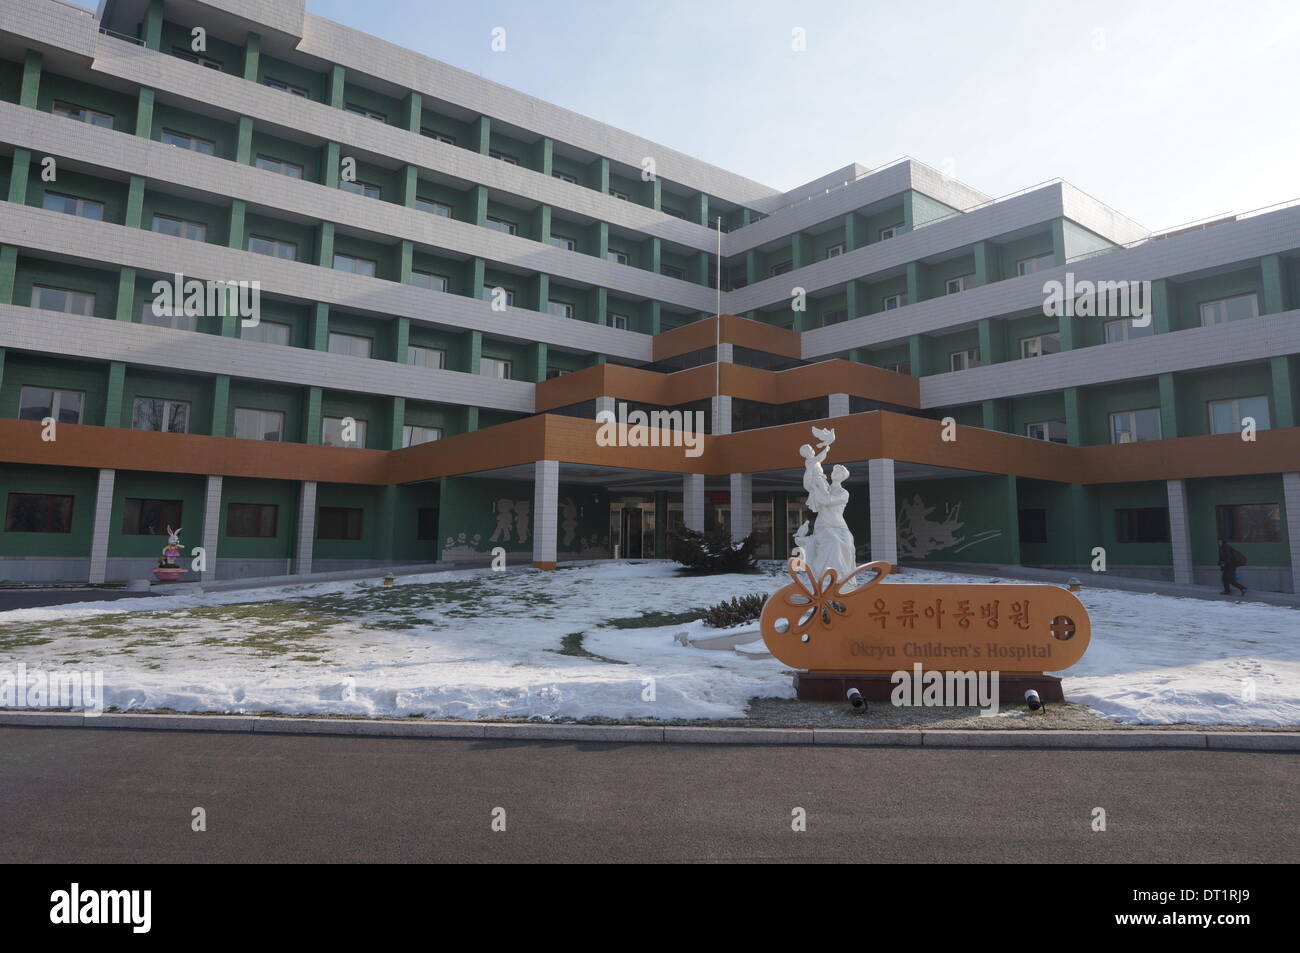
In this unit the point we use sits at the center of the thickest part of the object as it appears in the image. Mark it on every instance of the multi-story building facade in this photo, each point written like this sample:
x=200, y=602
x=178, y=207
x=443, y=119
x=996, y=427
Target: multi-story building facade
x=454, y=278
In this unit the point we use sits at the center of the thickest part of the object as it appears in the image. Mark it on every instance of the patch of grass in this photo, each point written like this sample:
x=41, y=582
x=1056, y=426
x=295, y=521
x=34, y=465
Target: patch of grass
x=652, y=620
x=571, y=644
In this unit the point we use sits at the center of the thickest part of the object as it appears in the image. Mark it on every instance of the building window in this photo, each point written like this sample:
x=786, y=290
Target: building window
x=253, y=424
x=564, y=178
x=163, y=416
x=618, y=321
x=893, y=302
x=1125, y=330
x=616, y=256
x=500, y=225
x=960, y=283
x=559, y=241
x=273, y=247
x=426, y=522
x=38, y=513
x=672, y=271
x=620, y=195
x=279, y=166
x=1249, y=522
x=431, y=357
x=284, y=87
x=150, y=517
x=252, y=520
x=355, y=265
x=902, y=367
x=554, y=372
x=363, y=111
x=433, y=208
x=891, y=231
x=494, y=367
x=440, y=136
x=1027, y=266
x=1040, y=344
x=268, y=332
x=561, y=309
x=1053, y=430
x=417, y=435
x=504, y=157
x=1235, y=308
x=1033, y=526
x=1226, y=416
x=835, y=251
x=838, y=316
x=62, y=299
x=40, y=403
x=1146, y=524
x=181, y=53
x=332, y=433
x=488, y=294
x=338, y=522
x=361, y=188
x=673, y=212
x=781, y=267
x=353, y=345
x=176, y=320
x=1132, y=426
x=82, y=114
x=964, y=360
x=428, y=280
x=72, y=205
x=193, y=143
x=179, y=228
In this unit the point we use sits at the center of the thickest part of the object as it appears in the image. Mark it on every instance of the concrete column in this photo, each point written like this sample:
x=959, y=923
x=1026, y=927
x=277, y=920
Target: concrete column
x=306, y=527
x=607, y=404
x=211, y=525
x=742, y=505
x=884, y=524
x=693, y=501
x=546, y=505
x=720, y=411
x=1291, y=499
x=1180, y=536
x=101, y=527
x=839, y=405
x=726, y=353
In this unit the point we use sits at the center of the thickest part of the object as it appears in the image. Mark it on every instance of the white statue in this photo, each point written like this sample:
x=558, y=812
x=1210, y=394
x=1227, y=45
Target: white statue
x=830, y=545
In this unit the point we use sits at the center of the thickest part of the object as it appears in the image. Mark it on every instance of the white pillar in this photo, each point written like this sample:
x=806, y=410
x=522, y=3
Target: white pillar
x=720, y=408
x=726, y=353
x=742, y=505
x=101, y=527
x=211, y=525
x=606, y=403
x=1180, y=536
x=693, y=501
x=546, y=506
x=839, y=405
x=306, y=527
x=1291, y=497
x=884, y=519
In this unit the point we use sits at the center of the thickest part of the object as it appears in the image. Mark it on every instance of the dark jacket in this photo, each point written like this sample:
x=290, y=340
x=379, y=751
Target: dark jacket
x=1229, y=558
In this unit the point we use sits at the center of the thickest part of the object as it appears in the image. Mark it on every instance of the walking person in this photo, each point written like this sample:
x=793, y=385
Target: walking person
x=1229, y=561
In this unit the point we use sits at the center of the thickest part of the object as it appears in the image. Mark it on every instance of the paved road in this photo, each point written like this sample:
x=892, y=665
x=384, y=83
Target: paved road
x=118, y=796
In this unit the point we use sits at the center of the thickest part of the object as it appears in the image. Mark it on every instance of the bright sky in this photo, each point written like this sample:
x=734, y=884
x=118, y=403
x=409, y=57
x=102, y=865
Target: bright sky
x=1167, y=110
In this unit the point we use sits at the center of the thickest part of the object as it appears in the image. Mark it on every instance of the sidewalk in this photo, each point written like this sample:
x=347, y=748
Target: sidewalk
x=1095, y=580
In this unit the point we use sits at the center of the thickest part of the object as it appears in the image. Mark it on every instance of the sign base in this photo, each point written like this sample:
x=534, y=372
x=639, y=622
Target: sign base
x=824, y=687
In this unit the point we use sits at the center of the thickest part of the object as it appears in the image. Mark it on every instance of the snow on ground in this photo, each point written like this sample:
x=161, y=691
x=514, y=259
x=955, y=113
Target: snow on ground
x=477, y=644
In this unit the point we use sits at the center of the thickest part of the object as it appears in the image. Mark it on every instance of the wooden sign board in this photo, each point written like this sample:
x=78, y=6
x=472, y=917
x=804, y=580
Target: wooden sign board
x=819, y=627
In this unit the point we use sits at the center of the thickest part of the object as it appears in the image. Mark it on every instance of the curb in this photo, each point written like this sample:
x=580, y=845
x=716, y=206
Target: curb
x=1113, y=738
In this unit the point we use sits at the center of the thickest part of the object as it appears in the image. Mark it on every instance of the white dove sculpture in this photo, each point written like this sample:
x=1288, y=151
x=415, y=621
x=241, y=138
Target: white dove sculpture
x=825, y=436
